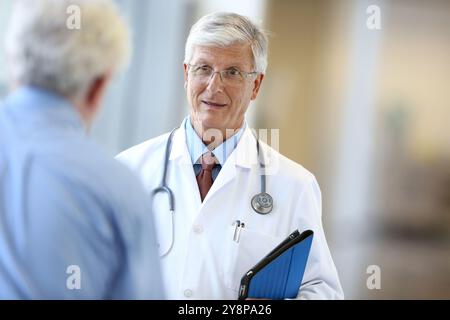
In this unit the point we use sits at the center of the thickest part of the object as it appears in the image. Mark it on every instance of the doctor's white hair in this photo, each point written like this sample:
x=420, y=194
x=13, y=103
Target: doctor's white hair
x=223, y=29
x=43, y=51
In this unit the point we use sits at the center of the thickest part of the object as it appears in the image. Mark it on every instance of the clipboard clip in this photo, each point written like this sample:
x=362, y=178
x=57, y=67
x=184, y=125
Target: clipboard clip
x=237, y=230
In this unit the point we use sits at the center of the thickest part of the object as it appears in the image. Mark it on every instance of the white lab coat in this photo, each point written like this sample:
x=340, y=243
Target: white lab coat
x=205, y=262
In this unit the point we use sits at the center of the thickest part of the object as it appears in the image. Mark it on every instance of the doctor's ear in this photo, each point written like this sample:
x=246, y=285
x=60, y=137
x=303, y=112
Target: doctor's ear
x=257, y=84
x=185, y=66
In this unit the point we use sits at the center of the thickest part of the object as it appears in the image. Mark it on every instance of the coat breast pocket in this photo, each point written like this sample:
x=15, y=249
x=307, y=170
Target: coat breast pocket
x=243, y=255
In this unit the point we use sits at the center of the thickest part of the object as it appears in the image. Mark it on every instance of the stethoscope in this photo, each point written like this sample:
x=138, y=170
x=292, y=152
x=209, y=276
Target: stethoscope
x=261, y=203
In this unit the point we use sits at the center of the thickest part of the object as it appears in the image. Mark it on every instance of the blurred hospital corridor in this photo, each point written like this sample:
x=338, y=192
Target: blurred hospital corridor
x=367, y=110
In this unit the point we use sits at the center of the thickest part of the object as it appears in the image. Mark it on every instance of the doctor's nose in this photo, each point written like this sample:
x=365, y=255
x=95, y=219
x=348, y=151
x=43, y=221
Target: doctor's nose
x=215, y=83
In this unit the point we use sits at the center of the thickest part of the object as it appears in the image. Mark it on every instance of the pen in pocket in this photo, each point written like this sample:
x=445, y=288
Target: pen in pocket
x=237, y=230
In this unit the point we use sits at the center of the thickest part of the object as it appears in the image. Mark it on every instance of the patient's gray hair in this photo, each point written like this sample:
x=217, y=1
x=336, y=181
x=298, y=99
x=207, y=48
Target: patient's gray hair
x=43, y=51
x=224, y=29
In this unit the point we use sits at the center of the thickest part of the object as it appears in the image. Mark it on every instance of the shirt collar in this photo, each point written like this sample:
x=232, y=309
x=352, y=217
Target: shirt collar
x=36, y=105
x=196, y=146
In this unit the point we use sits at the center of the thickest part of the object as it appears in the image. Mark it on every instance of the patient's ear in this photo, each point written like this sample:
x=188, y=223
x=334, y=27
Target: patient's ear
x=90, y=103
x=96, y=91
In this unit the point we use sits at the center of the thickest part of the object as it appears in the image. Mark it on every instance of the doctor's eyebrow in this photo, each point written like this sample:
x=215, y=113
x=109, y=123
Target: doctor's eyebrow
x=231, y=66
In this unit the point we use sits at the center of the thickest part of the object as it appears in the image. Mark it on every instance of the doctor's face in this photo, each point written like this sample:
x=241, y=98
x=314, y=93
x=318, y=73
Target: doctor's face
x=220, y=100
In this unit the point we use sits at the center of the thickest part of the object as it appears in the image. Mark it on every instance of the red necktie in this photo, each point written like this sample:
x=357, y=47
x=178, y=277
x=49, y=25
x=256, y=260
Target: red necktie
x=204, y=178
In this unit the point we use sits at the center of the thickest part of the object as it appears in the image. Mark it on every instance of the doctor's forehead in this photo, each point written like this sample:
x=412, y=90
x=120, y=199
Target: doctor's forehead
x=237, y=55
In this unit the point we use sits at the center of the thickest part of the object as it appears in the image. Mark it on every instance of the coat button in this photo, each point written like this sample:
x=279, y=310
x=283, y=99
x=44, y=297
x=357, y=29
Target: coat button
x=198, y=229
x=188, y=293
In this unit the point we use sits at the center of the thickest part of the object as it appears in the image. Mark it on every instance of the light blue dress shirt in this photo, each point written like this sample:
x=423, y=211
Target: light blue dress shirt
x=69, y=213
x=197, y=148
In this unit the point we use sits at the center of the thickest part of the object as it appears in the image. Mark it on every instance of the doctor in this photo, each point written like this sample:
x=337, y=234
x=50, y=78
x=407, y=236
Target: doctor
x=209, y=170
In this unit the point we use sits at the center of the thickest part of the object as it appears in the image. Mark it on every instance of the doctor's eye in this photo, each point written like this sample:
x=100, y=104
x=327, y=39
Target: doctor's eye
x=201, y=69
x=233, y=73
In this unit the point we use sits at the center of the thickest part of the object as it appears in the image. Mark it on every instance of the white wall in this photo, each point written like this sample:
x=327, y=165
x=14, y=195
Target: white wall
x=147, y=99
x=5, y=8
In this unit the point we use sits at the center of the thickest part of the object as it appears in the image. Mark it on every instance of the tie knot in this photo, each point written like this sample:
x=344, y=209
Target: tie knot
x=208, y=161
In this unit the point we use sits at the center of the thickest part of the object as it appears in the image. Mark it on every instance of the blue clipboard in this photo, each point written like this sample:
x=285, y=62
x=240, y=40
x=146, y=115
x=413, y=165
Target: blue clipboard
x=279, y=274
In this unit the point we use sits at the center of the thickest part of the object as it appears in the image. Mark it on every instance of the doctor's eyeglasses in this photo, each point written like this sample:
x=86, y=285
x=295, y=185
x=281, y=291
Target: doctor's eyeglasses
x=231, y=76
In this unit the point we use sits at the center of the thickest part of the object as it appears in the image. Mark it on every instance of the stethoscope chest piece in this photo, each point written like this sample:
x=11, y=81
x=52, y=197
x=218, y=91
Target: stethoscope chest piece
x=262, y=203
